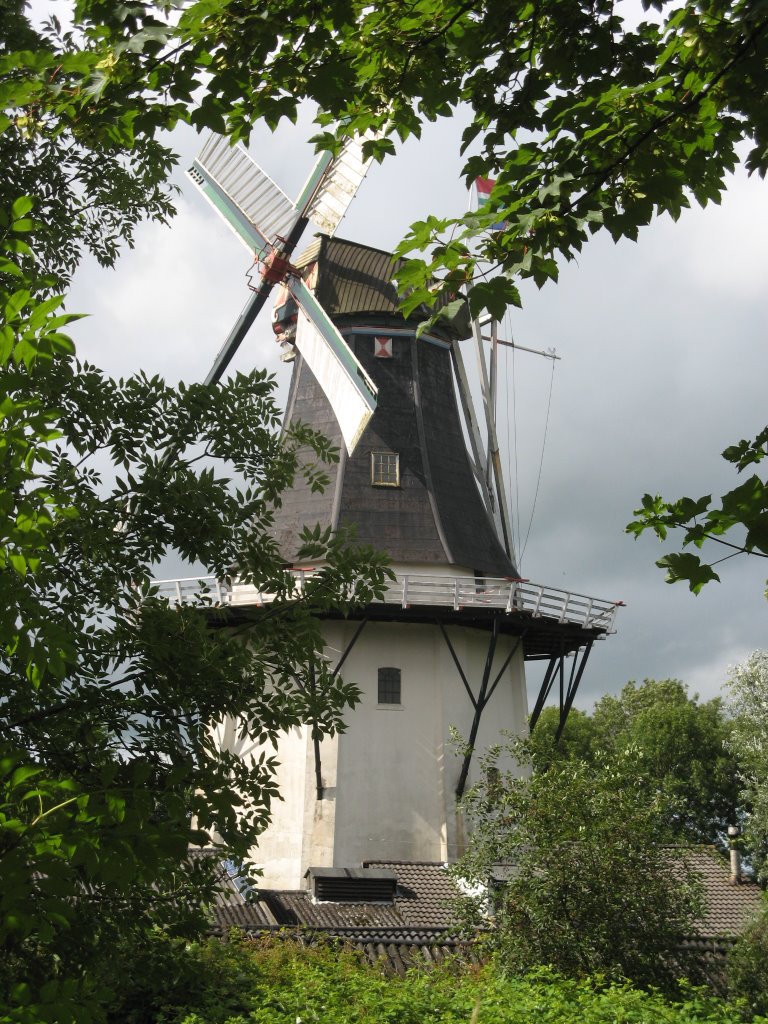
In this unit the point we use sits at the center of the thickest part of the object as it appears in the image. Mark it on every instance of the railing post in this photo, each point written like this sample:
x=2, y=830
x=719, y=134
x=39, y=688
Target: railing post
x=588, y=612
x=612, y=617
x=565, y=608
x=537, y=603
x=405, y=592
x=178, y=592
x=455, y=594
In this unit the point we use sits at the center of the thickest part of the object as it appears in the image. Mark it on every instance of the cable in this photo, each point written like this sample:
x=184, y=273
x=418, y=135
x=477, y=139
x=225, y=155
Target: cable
x=541, y=460
x=507, y=421
x=508, y=326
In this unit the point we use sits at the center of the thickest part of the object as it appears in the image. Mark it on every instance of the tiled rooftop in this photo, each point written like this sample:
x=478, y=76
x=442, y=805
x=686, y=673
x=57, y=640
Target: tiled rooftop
x=728, y=906
x=420, y=911
x=418, y=927
x=425, y=892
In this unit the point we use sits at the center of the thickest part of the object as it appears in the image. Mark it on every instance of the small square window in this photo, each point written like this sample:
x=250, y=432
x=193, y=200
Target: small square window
x=385, y=469
x=389, y=686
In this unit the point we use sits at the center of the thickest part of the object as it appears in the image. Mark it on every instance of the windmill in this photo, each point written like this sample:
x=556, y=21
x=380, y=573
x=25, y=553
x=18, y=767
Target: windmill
x=454, y=630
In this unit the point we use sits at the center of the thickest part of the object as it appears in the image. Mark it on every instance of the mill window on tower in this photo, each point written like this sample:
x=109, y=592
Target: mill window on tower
x=390, y=691
x=385, y=469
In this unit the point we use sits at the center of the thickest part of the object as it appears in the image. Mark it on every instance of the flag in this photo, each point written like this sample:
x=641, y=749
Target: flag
x=483, y=188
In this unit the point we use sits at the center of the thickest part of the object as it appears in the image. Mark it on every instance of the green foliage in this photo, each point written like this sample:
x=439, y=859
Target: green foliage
x=577, y=740
x=585, y=122
x=281, y=981
x=595, y=887
x=108, y=769
x=92, y=181
x=684, y=746
x=748, y=966
x=588, y=124
x=743, y=510
x=749, y=742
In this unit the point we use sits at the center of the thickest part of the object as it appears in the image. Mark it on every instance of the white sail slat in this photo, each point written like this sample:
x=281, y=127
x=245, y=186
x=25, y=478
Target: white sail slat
x=238, y=188
x=350, y=391
x=339, y=184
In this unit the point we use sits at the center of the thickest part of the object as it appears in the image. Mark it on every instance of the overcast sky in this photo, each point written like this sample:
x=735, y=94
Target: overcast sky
x=663, y=364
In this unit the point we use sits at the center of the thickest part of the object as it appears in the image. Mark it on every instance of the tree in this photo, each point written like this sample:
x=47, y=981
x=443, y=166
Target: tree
x=684, y=745
x=748, y=966
x=108, y=770
x=92, y=184
x=595, y=886
x=578, y=739
x=749, y=743
x=583, y=122
x=743, y=509
x=585, y=119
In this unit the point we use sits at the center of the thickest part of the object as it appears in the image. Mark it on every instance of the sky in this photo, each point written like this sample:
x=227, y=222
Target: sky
x=663, y=363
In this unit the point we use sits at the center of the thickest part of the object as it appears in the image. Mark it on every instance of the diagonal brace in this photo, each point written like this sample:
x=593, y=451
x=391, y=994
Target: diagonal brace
x=573, y=686
x=482, y=700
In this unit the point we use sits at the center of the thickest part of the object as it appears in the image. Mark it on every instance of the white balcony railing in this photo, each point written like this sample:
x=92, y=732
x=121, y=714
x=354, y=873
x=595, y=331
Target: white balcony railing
x=410, y=589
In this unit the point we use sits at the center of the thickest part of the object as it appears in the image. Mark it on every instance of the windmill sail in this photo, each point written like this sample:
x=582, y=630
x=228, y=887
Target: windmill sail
x=256, y=209
x=333, y=183
x=267, y=222
x=350, y=391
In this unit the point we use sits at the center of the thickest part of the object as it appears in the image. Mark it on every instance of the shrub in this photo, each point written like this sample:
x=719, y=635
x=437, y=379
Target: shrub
x=282, y=981
x=748, y=967
x=594, y=886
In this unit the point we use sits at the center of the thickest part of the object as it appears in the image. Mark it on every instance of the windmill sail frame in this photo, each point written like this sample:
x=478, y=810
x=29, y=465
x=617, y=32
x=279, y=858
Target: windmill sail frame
x=266, y=221
x=348, y=387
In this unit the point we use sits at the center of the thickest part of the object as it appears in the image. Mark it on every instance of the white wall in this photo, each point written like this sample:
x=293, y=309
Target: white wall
x=390, y=779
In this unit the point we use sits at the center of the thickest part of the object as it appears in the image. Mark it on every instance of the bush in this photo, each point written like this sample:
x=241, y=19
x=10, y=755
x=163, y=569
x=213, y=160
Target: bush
x=748, y=967
x=594, y=887
x=281, y=981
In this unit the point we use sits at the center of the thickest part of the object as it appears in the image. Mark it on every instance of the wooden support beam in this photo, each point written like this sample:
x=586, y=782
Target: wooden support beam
x=573, y=687
x=482, y=700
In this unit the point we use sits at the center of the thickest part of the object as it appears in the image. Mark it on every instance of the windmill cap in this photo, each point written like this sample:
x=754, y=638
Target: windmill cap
x=355, y=279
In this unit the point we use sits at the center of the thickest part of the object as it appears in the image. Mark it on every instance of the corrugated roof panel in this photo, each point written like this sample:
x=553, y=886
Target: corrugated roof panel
x=311, y=253
x=355, y=279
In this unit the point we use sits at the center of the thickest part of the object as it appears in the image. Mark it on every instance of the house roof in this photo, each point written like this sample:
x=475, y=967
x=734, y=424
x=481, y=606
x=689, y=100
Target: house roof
x=728, y=905
x=419, y=925
x=420, y=911
x=425, y=892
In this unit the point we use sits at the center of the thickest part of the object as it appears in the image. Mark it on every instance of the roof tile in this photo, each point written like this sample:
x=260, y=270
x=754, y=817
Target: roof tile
x=422, y=912
x=729, y=906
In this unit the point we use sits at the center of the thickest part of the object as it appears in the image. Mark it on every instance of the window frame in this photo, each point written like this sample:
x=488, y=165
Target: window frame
x=379, y=683
x=388, y=456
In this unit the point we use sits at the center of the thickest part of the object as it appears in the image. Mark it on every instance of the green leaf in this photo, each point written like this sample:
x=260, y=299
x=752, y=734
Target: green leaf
x=16, y=303
x=21, y=207
x=18, y=562
x=495, y=296
x=689, y=568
